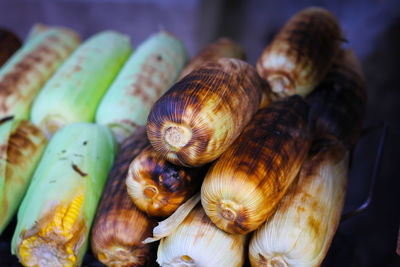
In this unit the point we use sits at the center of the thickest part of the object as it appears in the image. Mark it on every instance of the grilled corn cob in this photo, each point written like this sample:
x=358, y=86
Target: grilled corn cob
x=119, y=226
x=199, y=117
x=301, y=230
x=73, y=93
x=30, y=67
x=245, y=184
x=150, y=71
x=340, y=99
x=197, y=242
x=9, y=44
x=158, y=187
x=223, y=47
x=21, y=146
x=56, y=214
x=302, y=52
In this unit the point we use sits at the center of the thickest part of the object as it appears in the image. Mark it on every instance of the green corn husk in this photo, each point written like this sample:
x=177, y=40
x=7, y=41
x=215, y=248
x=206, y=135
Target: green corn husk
x=74, y=92
x=150, y=71
x=56, y=214
x=21, y=147
x=30, y=67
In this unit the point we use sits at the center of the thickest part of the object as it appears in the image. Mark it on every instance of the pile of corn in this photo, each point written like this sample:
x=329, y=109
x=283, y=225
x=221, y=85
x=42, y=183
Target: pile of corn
x=99, y=143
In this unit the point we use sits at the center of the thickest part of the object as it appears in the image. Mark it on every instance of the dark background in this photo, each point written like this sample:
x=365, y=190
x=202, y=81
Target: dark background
x=372, y=28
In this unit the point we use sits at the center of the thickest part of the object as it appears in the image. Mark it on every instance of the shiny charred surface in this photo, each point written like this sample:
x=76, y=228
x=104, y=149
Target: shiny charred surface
x=20, y=152
x=301, y=53
x=340, y=99
x=301, y=230
x=243, y=187
x=120, y=227
x=159, y=187
x=30, y=67
x=199, y=117
x=223, y=47
x=198, y=242
x=9, y=44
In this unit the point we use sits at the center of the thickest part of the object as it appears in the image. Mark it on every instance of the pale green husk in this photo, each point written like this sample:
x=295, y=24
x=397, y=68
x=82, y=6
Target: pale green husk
x=150, y=71
x=89, y=146
x=74, y=92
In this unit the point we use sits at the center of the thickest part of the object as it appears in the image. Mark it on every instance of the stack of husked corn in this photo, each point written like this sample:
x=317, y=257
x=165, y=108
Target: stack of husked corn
x=231, y=154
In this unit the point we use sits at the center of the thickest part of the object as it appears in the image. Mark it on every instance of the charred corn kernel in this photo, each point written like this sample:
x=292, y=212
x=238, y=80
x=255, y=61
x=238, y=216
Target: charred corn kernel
x=75, y=90
x=30, y=67
x=243, y=186
x=158, y=187
x=301, y=230
x=57, y=211
x=340, y=99
x=301, y=53
x=120, y=227
x=9, y=44
x=21, y=146
x=200, y=116
x=150, y=71
x=198, y=242
x=223, y=47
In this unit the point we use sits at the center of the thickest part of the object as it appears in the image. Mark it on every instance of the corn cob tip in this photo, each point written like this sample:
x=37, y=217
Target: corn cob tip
x=177, y=136
x=282, y=85
x=119, y=256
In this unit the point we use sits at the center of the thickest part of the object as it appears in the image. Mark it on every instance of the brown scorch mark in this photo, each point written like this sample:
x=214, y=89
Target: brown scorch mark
x=76, y=168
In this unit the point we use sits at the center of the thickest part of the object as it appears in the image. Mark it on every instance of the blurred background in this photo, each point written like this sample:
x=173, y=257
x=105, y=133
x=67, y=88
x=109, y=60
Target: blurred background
x=372, y=28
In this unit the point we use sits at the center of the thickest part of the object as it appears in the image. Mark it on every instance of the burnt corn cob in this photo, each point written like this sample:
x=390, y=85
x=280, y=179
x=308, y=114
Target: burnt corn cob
x=9, y=44
x=119, y=226
x=301, y=230
x=223, y=47
x=159, y=187
x=340, y=99
x=199, y=117
x=243, y=187
x=301, y=53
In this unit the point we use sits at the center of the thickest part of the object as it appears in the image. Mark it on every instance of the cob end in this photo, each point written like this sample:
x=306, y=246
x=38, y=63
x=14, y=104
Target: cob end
x=184, y=261
x=120, y=256
x=176, y=136
x=281, y=84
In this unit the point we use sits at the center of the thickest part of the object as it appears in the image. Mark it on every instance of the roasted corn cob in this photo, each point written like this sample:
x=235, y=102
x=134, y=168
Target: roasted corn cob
x=73, y=93
x=9, y=44
x=21, y=146
x=158, y=187
x=56, y=214
x=150, y=71
x=197, y=242
x=199, y=117
x=223, y=47
x=340, y=99
x=30, y=67
x=243, y=187
x=119, y=226
x=302, y=52
x=301, y=230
